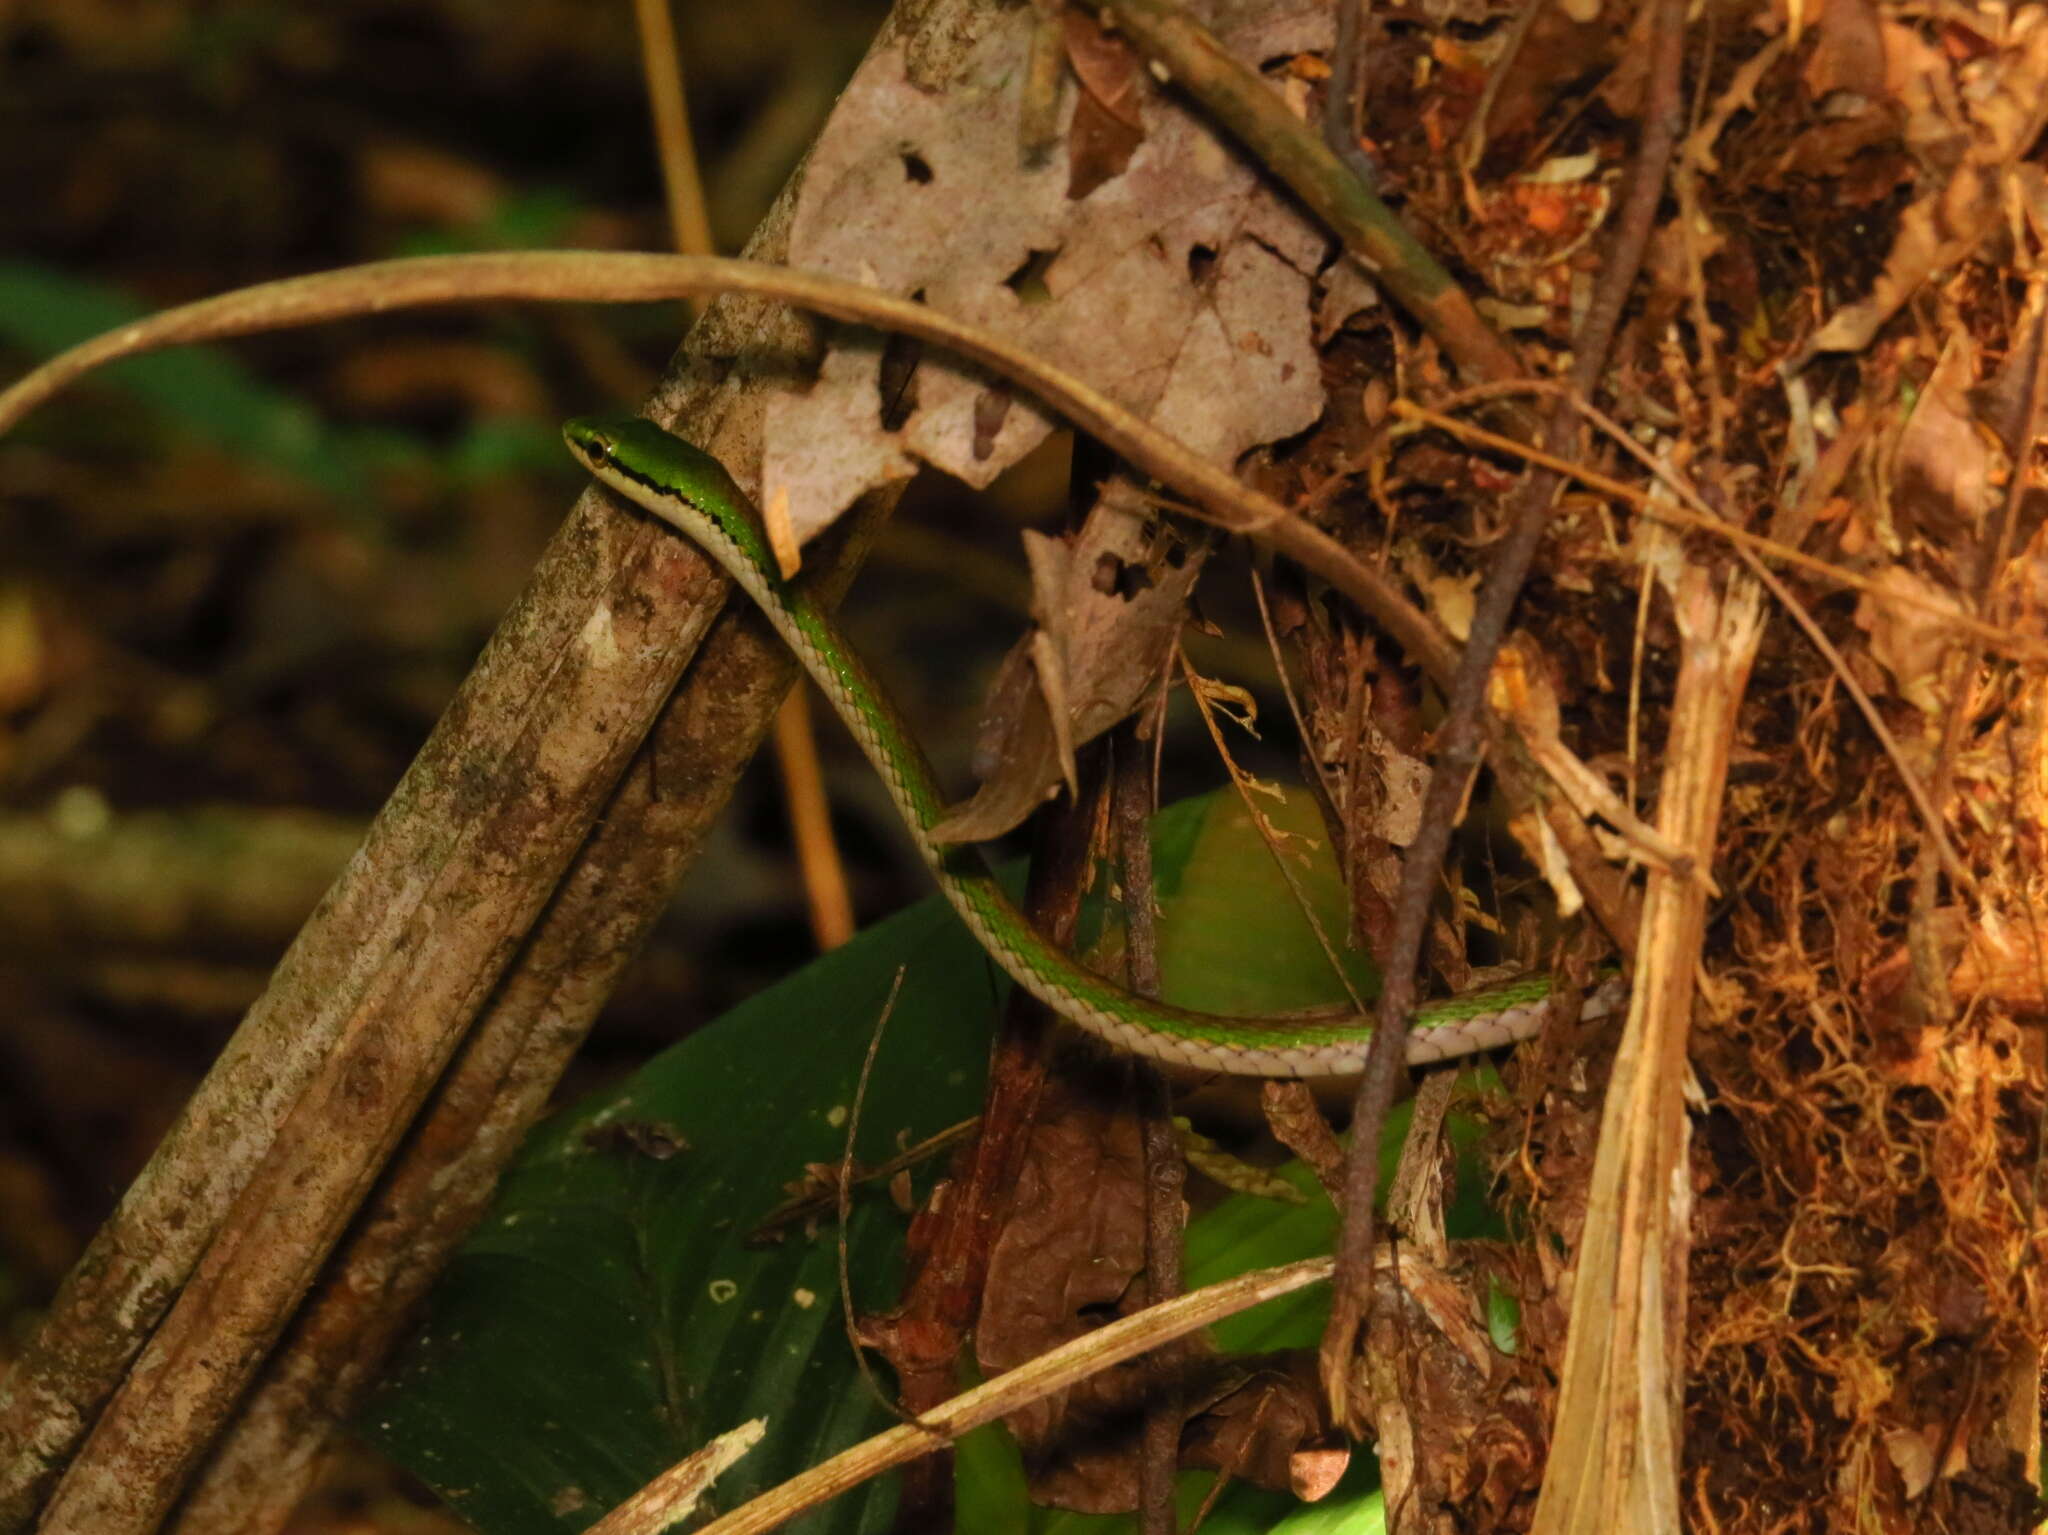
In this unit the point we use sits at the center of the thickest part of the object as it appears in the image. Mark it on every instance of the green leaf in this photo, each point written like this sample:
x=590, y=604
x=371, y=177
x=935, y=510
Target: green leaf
x=1237, y=942
x=608, y=1317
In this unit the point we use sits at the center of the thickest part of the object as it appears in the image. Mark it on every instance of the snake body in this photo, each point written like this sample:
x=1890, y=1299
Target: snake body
x=691, y=490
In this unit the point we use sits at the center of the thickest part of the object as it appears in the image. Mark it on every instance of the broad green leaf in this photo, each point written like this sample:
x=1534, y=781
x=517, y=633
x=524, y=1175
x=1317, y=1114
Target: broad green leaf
x=1237, y=941
x=608, y=1317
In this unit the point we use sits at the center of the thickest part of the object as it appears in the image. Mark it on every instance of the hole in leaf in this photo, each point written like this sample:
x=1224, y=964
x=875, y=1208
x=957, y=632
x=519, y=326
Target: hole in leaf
x=1120, y=578
x=1028, y=281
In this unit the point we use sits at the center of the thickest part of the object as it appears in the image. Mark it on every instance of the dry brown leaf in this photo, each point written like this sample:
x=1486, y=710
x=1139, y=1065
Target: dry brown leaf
x=1264, y=1431
x=1106, y=65
x=1848, y=51
x=1109, y=607
x=1063, y=1263
x=1909, y=638
x=1180, y=288
x=1944, y=464
x=1998, y=119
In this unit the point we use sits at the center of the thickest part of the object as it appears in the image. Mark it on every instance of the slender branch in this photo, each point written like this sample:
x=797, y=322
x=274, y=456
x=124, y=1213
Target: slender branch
x=1459, y=740
x=827, y=898
x=1696, y=514
x=1340, y=102
x=689, y=226
x=1131, y=817
x=626, y=277
x=1750, y=549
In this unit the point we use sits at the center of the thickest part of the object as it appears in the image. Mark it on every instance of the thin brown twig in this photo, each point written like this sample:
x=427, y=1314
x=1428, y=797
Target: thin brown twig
x=1459, y=741
x=828, y=900
x=1308, y=749
x=819, y=1201
x=1704, y=518
x=689, y=226
x=1240, y=782
x=1697, y=514
x=1087, y=1355
x=596, y=277
x=1131, y=806
x=1472, y=142
x=1341, y=100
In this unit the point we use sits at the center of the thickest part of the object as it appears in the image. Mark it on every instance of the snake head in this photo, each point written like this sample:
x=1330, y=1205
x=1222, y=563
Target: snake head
x=676, y=480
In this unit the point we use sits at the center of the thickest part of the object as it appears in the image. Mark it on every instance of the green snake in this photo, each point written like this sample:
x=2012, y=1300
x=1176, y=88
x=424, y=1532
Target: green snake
x=691, y=490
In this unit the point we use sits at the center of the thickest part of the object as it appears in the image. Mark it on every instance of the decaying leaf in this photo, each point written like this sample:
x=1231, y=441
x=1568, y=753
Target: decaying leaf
x=1109, y=607
x=1909, y=639
x=1996, y=121
x=1180, y=287
x=1070, y=1247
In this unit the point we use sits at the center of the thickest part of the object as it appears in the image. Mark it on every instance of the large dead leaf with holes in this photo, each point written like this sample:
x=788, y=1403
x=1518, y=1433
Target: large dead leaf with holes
x=1159, y=268
x=1179, y=286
